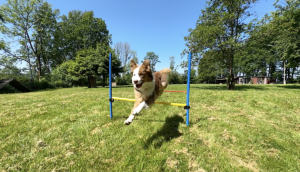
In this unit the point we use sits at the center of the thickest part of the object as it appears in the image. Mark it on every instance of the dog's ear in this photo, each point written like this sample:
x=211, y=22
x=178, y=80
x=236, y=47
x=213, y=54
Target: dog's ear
x=132, y=65
x=146, y=64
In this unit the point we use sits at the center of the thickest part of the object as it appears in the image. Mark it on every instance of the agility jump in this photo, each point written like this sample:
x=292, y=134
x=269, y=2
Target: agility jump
x=185, y=106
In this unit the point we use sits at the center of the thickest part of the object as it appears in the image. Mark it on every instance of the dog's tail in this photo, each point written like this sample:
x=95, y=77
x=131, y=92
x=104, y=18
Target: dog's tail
x=164, y=77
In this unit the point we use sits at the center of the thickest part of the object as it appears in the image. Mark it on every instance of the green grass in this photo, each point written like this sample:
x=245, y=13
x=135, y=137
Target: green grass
x=254, y=128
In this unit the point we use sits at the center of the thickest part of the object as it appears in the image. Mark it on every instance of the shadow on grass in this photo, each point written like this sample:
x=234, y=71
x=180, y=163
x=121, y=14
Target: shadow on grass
x=289, y=86
x=168, y=132
x=250, y=87
x=209, y=87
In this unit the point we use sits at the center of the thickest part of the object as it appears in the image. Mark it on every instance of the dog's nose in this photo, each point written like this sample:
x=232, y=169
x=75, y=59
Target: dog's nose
x=135, y=81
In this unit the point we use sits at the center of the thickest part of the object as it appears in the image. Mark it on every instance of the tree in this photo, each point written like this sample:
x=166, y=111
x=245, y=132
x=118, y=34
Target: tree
x=124, y=53
x=133, y=57
x=125, y=79
x=44, y=31
x=257, y=58
x=8, y=68
x=193, y=76
x=153, y=59
x=220, y=28
x=79, y=30
x=174, y=76
x=92, y=62
x=273, y=44
x=1, y=17
x=209, y=68
x=61, y=77
x=127, y=68
x=2, y=45
x=25, y=20
x=172, y=63
x=286, y=25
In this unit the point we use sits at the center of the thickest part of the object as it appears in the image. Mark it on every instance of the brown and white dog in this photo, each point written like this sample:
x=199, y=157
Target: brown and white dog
x=148, y=86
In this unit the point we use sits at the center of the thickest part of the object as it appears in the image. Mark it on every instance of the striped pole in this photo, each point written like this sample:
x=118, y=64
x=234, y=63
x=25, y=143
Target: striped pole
x=188, y=91
x=110, y=94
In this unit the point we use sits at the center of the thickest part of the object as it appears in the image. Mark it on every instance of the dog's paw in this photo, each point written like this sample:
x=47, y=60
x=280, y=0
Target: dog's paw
x=129, y=120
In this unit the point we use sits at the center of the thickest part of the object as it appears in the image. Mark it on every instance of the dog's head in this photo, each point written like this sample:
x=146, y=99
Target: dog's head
x=141, y=74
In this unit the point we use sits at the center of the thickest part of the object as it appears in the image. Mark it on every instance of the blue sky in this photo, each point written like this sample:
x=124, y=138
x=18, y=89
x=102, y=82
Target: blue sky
x=149, y=25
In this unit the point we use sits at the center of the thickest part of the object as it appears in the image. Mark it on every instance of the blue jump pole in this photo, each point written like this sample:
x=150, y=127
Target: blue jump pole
x=188, y=91
x=110, y=94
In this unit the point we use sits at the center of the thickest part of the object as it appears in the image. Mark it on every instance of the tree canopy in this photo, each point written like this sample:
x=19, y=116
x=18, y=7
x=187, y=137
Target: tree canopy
x=220, y=29
x=79, y=30
x=32, y=22
x=224, y=44
x=95, y=62
x=153, y=59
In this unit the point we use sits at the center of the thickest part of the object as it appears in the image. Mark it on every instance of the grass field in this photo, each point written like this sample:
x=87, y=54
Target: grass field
x=254, y=128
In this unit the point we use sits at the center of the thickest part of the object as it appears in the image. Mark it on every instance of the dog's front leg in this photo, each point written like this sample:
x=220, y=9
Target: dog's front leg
x=136, y=109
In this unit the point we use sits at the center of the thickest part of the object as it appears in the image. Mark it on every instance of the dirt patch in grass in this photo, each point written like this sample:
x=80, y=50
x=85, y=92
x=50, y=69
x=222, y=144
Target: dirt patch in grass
x=228, y=136
x=210, y=108
x=206, y=138
x=96, y=130
x=69, y=154
x=235, y=157
x=178, y=140
x=172, y=163
x=109, y=160
x=107, y=125
x=250, y=165
x=273, y=152
x=184, y=150
x=194, y=166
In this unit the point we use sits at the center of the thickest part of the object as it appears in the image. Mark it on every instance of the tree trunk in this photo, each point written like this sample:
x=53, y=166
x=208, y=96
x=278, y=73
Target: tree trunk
x=230, y=80
x=230, y=77
x=91, y=82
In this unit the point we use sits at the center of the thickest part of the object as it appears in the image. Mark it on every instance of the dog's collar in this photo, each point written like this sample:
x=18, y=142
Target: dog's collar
x=137, y=89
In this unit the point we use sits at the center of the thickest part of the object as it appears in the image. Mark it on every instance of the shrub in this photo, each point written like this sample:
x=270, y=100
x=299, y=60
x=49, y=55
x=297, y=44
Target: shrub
x=61, y=76
x=124, y=79
x=175, y=78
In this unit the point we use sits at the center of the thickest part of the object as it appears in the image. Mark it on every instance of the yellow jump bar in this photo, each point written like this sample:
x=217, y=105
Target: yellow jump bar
x=164, y=103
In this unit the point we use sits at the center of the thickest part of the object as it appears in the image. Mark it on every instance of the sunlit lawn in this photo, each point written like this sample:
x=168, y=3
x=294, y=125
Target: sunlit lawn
x=254, y=128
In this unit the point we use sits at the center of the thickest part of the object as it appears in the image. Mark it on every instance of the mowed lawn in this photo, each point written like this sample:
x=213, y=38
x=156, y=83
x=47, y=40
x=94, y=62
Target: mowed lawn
x=254, y=128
